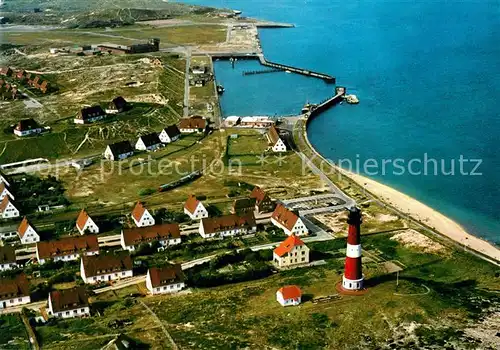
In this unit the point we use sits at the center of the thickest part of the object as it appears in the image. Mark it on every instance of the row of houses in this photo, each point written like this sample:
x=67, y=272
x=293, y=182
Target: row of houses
x=8, y=91
x=95, y=113
x=31, y=79
x=74, y=302
x=8, y=209
x=153, y=141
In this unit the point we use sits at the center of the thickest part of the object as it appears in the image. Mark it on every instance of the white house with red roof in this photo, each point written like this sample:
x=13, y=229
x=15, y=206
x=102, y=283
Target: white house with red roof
x=169, y=279
x=290, y=222
x=84, y=223
x=276, y=143
x=69, y=303
x=195, y=208
x=289, y=295
x=141, y=216
x=27, y=233
x=4, y=191
x=291, y=252
x=166, y=234
x=8, y=209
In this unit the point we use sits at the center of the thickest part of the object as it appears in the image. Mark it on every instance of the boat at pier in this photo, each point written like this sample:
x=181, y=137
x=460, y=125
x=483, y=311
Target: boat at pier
x=220, y=89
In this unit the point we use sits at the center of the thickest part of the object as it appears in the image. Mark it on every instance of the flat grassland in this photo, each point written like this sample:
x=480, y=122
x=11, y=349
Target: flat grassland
x=437, y=297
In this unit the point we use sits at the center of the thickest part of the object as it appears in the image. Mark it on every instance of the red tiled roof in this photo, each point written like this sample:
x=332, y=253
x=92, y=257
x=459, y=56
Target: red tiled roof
x=273, y=134
x=138, y=211
x=195, y=122
x=69, y=299
x=6, y=200
x=290, y=292
x=23, y=227
x=7, y=254
x=259, y=194
x=166, y=275
x=68, y=245
x=285, y=216
x=138, y=235
x=82, y=219
x=191, y=203
x=227, y=222
x=287, y=245
x=14, y=287
x=96, y=265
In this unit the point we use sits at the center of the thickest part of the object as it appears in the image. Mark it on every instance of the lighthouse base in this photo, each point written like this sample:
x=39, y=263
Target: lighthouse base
x=348, y=284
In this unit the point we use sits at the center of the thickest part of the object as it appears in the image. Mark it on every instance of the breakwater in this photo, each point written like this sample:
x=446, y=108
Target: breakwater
x=277, y=66
x=263, y=71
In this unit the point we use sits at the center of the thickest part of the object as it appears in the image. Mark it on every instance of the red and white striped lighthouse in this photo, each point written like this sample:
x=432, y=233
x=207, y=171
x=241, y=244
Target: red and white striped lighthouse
x=353, y=276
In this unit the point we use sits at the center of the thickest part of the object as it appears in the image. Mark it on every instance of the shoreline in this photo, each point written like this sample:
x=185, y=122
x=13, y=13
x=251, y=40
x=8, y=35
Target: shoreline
x=423, y=214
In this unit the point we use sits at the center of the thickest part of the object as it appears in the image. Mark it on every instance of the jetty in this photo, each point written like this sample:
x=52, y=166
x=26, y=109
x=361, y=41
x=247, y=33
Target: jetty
x=327, y=78
x=340, y=92
x=263, y=71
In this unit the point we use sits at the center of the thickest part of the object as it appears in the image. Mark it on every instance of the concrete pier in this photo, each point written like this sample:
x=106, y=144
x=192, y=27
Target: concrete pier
x=340, y=92
x=325, y=77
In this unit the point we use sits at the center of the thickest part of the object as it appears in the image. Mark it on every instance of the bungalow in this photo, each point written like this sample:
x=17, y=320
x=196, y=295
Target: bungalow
x=105, y=267
x=27, y=233
x=243, y=205
x=165, y=234
x=287, y=220
x=256, y=122
x=263, y=203
x=276, y=143
x=170, y=134
x=69, y=303
x=7, y=258
x=141, y=216
x=67, y=249
x=291, y=252
x=195, y=124
x=4, y=191
x=118, y=105
x=8, y=209
x=119, y=150
x=89, y=115
x=228, y=225
x=84, y=223
x=27, y=127
x=195, y=209
x=289, y=295
x=14, y=291
x=149, y=142
x=169, y=279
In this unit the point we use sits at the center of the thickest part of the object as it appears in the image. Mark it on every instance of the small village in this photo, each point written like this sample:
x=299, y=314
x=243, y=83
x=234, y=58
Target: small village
x=100, y=267
x=118, y=231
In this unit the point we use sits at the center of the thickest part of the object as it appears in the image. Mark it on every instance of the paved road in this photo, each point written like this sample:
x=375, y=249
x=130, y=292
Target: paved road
x=15, y=309
x=349, y=202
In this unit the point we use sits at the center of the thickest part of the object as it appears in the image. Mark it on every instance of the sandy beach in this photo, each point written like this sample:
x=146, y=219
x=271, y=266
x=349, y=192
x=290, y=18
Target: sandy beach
x=425, y=214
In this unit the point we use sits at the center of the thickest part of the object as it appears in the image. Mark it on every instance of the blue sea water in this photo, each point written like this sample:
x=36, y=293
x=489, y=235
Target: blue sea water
x=428, y=77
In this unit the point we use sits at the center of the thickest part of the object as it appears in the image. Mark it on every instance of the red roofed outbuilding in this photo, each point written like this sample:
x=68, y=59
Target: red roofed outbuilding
x=289, y=295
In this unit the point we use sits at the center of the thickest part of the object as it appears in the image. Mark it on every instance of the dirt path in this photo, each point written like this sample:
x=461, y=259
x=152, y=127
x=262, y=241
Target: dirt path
x=165, y=331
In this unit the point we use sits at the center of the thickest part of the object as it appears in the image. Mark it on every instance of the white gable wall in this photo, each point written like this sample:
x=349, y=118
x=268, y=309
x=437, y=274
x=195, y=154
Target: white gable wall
x=30, y=236
x=146, y=219
x=10, y=212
